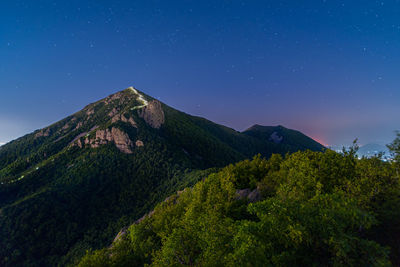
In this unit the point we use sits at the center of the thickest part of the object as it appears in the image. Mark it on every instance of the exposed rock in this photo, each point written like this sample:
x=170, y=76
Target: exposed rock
x=120, y=117
x=242, y=193
x=65, y=127
x=113, y=112
x=276, y=138
x=252, y=196
x=112, y=97
x=139, y=143
x=179, y=192
x=120, y=138
x=68, y=124
x=90, y=112
x=121, y=234
x=43, y=132
x=78, y=140
x=79, y=125
x=144, y=217
x=116, y=118
x=121, y=96
x=153, y=114
x=130, y=121
x=102, y=137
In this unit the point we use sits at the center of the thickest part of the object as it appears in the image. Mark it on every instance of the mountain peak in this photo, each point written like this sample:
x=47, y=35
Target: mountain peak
x=282, y=135
x=108, y=120
x=124, y=153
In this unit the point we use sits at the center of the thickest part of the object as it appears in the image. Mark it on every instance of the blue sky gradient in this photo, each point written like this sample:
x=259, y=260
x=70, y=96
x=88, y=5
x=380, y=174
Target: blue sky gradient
x=327, y=68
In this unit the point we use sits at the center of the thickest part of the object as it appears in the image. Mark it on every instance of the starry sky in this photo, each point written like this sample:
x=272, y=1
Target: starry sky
x=328, y=68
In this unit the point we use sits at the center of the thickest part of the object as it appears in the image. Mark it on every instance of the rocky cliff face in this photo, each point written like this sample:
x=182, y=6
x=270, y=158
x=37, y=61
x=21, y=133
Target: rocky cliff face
x=153, y=114
x=252, y=196
x=276, y=138
x=43, y=132
x=119, y=98
x=120, y=117
x=103, y=137
x=120, y=138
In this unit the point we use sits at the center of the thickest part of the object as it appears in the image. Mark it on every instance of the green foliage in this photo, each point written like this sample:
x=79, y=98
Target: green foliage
x=58, y=200
x=394, y=147
x=318, y=209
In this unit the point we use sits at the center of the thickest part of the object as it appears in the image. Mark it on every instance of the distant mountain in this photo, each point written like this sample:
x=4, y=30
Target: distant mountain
x=370, y=150
x=73, y=185
x=293, y=140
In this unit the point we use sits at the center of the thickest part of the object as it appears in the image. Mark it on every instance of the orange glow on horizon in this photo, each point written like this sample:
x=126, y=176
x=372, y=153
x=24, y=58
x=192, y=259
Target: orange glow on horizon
x=319, y=140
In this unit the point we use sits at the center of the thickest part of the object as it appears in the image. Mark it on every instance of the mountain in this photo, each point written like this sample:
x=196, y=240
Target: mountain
x=291, y=139
x=73, y=185
x=370, y=150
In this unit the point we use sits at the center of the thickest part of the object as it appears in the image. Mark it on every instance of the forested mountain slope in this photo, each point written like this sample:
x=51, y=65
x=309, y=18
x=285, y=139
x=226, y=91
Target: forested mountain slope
x=74, y=184
x=306, y=209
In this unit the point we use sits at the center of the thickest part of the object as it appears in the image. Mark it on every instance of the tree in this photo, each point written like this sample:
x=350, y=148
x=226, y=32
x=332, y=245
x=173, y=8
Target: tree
x=394, y=147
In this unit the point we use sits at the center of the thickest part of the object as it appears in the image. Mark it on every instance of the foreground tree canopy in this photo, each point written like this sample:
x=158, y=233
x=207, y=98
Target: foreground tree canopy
x=304, y=209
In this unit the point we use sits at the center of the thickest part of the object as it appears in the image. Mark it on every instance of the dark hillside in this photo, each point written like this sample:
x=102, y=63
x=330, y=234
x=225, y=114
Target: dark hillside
x=72, y=185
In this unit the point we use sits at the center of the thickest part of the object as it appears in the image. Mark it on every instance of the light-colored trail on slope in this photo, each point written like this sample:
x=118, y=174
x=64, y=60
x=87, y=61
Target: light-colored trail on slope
x=140, y=98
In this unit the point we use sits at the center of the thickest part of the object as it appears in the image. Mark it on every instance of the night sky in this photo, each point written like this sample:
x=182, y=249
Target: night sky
x=330, y=69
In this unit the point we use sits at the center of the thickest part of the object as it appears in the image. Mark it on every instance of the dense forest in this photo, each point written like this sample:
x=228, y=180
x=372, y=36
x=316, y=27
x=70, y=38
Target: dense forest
x=61, y=195
x=303, y=209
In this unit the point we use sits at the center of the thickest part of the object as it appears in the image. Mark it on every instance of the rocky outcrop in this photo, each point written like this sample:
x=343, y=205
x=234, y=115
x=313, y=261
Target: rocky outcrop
x=153, y=114
x=113, y=112
x=116, y=116
x=65, y=127
x=77, y=140
x=90, y=112
x=144, y=217
x=120, y=138
x=79, y=125
x=43, y=132
x=121, y=234
x=242, y=193
x=118, y=98
x=120, y=117
x=139, y=143
x=103, y=137
x=276, y=138
x=113, y=97
x=252, y=196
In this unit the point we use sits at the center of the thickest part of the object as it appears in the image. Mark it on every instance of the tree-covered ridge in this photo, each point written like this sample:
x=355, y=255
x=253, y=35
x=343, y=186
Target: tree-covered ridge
x=316, y=209
x=294, y=140
x=74, y=184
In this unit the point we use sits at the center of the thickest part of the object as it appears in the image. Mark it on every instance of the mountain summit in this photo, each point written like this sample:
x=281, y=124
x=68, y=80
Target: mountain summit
x=73, y=185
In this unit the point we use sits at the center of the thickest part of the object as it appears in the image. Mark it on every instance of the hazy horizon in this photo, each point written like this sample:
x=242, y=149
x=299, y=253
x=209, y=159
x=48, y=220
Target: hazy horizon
x=19, y=128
